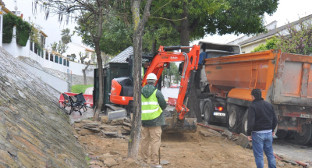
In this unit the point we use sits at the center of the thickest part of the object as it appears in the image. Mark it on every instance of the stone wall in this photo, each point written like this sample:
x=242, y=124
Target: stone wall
x=34, y=130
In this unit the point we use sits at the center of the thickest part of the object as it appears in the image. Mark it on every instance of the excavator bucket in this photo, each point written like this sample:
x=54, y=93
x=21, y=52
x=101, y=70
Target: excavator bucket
x=174, y=125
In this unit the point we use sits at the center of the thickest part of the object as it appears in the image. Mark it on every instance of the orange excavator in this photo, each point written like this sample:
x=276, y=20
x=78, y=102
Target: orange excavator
x=122, y=87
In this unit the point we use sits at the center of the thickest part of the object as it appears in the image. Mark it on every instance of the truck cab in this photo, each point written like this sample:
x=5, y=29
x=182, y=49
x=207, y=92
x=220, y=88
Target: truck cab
x=212, y=110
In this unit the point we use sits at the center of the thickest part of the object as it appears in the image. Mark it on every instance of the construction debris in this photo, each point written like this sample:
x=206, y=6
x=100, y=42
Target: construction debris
x=119, y=114
x=116, y=128
x=243, y=141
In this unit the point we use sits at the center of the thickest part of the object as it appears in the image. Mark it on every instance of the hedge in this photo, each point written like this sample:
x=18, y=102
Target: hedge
x=8, y=24
x=23, y=29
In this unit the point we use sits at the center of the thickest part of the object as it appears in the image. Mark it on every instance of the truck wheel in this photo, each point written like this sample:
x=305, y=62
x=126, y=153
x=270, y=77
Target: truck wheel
x=304, y=137
x=234, y=117
x=245, y=123
x=207, y=112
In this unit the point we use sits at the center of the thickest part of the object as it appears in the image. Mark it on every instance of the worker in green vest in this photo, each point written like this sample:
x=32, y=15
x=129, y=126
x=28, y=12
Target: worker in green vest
x=153, y=104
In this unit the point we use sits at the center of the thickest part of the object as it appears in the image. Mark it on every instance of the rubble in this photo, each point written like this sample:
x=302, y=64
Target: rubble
x=243, y=141
x=114, y=129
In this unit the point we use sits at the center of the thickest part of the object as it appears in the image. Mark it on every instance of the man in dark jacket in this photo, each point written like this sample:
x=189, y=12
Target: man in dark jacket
x=153, y=103
x=261, y=124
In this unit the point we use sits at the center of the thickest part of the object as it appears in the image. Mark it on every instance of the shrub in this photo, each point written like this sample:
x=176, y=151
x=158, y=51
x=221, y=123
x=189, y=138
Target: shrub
x=270, y=44
x=23, y=29
x=9, y=21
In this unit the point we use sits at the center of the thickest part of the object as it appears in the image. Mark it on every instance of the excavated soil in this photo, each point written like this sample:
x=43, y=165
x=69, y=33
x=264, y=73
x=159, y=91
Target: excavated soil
x=204, y=149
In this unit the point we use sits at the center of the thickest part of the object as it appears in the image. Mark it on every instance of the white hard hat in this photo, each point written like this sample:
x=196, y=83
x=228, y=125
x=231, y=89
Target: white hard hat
x=151, y=76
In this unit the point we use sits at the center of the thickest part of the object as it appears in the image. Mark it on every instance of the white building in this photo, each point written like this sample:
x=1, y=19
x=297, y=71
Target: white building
x=249, y=43
x=45, y=57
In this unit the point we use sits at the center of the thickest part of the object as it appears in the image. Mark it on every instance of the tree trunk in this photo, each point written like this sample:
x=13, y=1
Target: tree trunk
x=184, y=29
x=154, y=49
x=96, y=40
x=170, y=77
x=100, y=77
x=84, y=73
x=133, y=145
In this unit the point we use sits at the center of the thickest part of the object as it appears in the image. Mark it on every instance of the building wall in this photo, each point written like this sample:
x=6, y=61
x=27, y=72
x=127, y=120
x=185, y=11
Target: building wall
x=251, y=46
x=74, y=68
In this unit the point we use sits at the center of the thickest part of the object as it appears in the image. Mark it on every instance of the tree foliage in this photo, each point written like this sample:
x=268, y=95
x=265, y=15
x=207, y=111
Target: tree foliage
x=62, y=45
x=268, y=45
x=172, y=73
x=117, y=34
x=194, y=19
x=298, y=40
x=92, y=11
x=66, y=36
x=35, y=35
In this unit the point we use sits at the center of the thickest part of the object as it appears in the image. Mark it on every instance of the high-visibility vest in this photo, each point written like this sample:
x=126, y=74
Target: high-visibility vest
x=150, y=107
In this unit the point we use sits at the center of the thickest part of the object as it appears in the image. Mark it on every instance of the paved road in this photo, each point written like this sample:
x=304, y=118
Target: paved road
x=58, y=84
x=293, y=151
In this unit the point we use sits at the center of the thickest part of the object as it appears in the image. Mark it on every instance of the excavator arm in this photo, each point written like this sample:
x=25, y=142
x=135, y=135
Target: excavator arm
x=164, y=57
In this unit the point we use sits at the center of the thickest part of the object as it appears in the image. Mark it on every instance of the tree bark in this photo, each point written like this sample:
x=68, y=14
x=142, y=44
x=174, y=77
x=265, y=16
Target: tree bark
x=154, y=49
x=84, y=73
x=133, y=145
x=184, y=29
x=96, y=40
x=100, y=77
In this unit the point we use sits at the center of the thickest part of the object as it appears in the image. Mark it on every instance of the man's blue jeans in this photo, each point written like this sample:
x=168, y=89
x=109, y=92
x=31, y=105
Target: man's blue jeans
x=263, y=142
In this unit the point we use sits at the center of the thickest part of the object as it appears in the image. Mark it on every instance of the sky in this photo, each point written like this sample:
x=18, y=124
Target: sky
x=287, y=11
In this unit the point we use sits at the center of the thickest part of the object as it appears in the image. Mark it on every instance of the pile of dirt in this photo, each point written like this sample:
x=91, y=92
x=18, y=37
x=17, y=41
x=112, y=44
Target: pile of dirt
x=204, y=148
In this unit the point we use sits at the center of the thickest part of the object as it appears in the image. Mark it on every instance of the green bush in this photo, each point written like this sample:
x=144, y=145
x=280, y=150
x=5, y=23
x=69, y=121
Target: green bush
x=9, y=21
x=80, y=88
x=270, y=44
x=23, y=30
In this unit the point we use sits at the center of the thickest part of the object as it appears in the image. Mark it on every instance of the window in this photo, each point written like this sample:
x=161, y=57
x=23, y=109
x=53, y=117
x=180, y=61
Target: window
x=31, y=45
x=67, y=63
x=56, y=59
x=60, y=60
x=42, y=40
x=36, y=49
x=64, y=63
x=47, y=55
x=51, y=57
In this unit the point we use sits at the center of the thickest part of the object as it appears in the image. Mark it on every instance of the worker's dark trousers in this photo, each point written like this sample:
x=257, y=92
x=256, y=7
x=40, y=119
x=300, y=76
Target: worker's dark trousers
x=150, y=143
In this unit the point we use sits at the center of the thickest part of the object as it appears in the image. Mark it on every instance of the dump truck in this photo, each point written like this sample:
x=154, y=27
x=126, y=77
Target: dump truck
x=285, y=81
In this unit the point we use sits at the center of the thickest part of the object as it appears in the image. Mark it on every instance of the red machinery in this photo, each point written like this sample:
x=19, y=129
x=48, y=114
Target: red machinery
x=121, y=87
